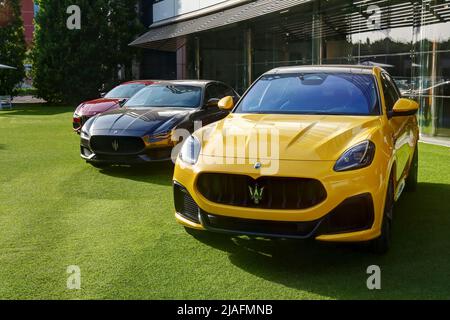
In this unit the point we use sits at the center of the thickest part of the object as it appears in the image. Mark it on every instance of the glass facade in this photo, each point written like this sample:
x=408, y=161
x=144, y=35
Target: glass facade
x=410, y=39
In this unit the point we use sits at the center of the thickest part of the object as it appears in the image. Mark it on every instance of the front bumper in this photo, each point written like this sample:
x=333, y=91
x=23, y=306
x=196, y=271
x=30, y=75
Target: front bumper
x=360, y=192
x=148, y=154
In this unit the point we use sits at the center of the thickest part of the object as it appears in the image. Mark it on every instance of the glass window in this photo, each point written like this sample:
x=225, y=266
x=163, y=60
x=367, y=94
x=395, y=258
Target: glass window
x=390, y=92
x=282, y=39
x=222, y=57
x=211, y=92
x=166, y=96
x=312, y=93
x=124, y=91
x=224, y=91
x=218, y=91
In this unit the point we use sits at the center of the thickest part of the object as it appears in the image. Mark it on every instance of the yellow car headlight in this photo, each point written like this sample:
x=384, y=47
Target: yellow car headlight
x=357, y=157
x=190, y=150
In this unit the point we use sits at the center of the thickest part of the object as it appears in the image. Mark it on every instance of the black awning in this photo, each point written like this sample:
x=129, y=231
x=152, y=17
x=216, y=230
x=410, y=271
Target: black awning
x=158, y=35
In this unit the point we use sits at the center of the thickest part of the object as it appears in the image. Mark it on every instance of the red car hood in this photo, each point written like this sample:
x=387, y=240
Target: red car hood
x=94, y=107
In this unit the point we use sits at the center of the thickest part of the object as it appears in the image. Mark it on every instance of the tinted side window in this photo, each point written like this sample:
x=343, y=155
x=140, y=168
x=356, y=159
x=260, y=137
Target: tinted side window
x=225, y=91
x=391, y=94
x=211, y=92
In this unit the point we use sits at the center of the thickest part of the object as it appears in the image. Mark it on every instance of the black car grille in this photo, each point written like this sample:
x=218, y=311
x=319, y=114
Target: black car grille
x=184, y=204
x=116, y=145
x=271, y=192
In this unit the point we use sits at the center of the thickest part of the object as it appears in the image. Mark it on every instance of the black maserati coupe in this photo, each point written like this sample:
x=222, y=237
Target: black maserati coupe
x=143, y=129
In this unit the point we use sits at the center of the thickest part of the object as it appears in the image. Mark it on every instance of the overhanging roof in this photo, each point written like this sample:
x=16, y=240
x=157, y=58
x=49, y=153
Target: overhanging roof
x=158, y=34
x=343, y=19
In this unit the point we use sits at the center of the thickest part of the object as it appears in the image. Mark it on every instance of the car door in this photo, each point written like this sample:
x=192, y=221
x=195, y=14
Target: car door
x=401, y=127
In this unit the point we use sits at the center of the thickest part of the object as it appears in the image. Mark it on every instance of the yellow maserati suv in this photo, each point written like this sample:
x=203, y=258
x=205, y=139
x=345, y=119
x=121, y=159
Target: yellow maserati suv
x=318, y=152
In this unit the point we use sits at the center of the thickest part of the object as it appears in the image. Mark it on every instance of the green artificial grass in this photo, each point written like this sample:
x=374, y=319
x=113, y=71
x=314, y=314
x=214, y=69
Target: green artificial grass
x=118, y=226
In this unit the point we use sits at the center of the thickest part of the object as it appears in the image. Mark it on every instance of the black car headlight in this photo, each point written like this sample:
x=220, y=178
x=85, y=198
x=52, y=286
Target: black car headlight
x=190, y=150
x=357, y=157
x=159, y=138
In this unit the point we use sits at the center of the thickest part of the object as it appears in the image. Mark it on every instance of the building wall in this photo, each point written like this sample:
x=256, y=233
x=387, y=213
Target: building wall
x=153, y=64
x=412, y=43
x=28, y=17
x=166, y=9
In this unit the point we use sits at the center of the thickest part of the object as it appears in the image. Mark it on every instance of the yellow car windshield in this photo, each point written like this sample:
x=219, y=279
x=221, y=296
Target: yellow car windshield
x=313, y=93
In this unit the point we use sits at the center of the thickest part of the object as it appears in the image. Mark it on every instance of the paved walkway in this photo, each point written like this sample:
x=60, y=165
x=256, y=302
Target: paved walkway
x=27, y=99
x=436, y=140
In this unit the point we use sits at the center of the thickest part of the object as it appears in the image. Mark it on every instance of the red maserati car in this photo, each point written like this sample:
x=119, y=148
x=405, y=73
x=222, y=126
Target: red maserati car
x=114, y=99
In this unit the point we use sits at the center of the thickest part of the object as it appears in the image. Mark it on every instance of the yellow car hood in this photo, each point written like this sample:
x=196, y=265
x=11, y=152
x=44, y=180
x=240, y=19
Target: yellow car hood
x=285, y=137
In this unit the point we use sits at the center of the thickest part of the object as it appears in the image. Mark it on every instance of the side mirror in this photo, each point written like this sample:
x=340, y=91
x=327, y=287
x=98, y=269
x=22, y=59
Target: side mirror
x=404, y=107
x=122, y=102
x=212, y=103
x=226, y=103
x=102, y=95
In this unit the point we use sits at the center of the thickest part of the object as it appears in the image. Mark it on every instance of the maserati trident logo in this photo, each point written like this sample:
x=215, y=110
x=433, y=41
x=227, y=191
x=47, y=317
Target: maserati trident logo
x=257, y=165
x=115, y=145
x=256, y=193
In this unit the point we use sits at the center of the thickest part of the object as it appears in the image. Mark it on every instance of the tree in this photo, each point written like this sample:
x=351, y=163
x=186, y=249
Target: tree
x=124, y=26
x=68, y=64
x=73, y=65
x=12, y=46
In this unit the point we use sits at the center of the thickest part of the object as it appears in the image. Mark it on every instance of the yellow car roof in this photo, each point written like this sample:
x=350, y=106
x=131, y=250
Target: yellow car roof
x=325, y=68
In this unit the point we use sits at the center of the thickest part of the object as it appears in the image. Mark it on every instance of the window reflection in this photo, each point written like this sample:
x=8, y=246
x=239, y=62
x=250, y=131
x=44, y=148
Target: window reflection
x=410, y=39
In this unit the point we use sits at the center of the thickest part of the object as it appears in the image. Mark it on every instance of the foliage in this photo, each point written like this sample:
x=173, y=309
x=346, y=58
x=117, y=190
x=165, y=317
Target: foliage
x=12, y=46
x=73, y=65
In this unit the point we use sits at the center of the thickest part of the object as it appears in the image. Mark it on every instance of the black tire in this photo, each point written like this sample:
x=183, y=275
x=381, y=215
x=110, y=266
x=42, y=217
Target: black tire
x=382, y=244
x=411, y=180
